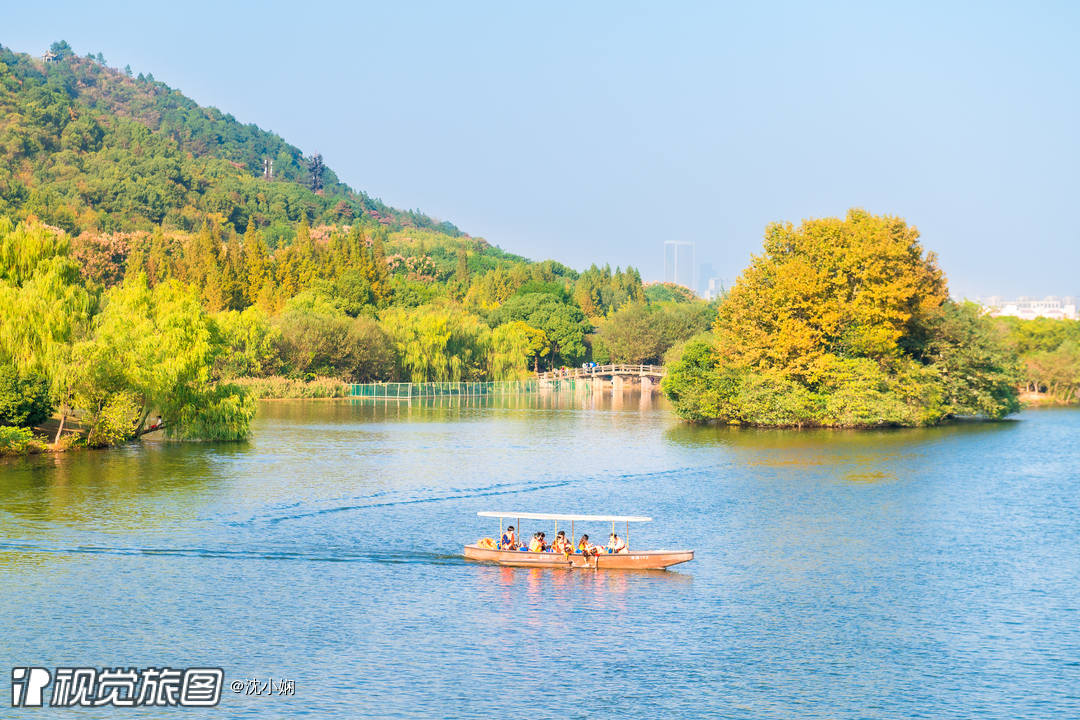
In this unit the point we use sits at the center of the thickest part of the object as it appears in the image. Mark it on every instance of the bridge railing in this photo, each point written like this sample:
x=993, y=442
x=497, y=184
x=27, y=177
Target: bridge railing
x=601, y=370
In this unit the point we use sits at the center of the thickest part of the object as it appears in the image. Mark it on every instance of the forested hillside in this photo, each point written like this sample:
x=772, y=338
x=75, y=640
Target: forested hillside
x=150, y=263
x=88, y=147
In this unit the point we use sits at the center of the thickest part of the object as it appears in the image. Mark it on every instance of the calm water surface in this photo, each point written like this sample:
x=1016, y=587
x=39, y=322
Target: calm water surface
x=905, y=573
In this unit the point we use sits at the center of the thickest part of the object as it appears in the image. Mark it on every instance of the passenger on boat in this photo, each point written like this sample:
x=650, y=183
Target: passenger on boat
x=509, y=540
x=615, y=545
x=537, y=544
x=587, y=548
x=561, y=544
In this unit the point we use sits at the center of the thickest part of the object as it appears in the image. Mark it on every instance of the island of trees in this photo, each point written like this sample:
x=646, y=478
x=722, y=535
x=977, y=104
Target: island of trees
x=845, y=323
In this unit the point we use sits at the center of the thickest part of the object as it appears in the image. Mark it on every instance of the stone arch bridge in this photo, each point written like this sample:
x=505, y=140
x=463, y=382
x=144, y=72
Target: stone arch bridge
x=598, y=377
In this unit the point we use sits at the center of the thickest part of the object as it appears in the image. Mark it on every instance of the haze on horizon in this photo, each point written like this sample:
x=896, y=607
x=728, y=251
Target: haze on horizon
x=592, y=134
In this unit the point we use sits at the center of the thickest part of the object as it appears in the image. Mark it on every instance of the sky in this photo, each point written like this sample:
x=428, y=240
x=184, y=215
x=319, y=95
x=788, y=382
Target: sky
x=593, y=132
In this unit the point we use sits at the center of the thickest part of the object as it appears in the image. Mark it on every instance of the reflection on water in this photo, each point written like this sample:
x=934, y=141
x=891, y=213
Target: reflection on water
x=882, y=573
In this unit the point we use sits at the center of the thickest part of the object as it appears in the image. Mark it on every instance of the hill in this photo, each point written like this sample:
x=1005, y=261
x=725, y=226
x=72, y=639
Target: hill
x=87, y=147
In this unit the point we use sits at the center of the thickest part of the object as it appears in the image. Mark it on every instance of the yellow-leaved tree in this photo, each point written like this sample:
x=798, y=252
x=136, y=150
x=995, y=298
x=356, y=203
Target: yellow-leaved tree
x=844, y=322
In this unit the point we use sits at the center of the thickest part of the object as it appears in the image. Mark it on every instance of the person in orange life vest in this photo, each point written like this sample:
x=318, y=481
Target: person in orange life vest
x=561, y=544
x=536, y=544
x=587, y=548
x=509, y=540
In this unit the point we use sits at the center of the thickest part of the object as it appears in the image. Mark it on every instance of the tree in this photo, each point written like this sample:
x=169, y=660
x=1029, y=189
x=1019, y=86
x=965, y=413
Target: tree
x=461, y=274
x=640, y=333
x=563, y=325
x=844, y=323
x=512, y=345
x=316, y=169
x=254, y=344
x=25, y=400
x=61, y=49
x=320, y=340
x=979, y=372
x=255, y=261
x=155, y=350
x=632, y=335
x=378, y=275
x=830, y=288
x=438, y=343
x=43, y=305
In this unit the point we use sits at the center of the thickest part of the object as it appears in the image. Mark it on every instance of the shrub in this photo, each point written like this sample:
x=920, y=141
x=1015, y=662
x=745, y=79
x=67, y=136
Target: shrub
x=115, y=421
x=18, y=441
x=353, y=349
x=24, y=398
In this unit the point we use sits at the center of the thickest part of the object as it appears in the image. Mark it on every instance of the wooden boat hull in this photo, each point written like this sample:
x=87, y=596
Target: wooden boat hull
x=650, y=560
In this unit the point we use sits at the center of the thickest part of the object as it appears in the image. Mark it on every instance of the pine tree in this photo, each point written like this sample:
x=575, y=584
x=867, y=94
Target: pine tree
x=213, y=291
x=306, y=259
x=461, y=275
x=288, y=279
x=160, y=265
x=255, y=262
x=233, y=280
x=379, y=276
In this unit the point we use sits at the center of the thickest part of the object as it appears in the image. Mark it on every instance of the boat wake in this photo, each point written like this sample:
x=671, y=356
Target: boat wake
x=456, y=494
x=269, y=554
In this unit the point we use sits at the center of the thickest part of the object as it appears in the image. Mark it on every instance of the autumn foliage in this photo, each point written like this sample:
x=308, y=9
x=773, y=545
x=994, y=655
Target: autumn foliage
x=844, y=322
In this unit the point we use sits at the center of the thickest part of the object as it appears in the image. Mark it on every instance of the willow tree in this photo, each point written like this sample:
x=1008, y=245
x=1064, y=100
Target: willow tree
x=844, y=322
x=512, y=346
x=154, y=351
x=437, y=343
x=43, y=304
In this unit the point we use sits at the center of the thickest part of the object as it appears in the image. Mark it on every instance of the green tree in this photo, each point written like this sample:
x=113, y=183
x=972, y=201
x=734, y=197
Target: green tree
x=157, y=349
x=43, y=305
x=320, y=340
x=254, y=345
x=25, y=400
x=61, y=49
x=439, y=343
x=978, y=372
x=512, y=346
x=564, y=325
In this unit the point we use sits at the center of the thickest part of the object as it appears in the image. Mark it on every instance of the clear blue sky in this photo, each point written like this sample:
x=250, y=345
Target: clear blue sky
x=593, y=132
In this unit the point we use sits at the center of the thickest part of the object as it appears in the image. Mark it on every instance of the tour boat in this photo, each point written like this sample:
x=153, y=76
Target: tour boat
x=630, y=560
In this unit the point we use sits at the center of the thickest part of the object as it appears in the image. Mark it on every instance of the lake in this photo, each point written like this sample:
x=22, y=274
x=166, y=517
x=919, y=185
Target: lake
x=839, y=574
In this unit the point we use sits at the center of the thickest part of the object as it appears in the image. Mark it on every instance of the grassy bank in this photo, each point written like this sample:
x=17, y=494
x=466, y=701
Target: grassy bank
x=281, y=388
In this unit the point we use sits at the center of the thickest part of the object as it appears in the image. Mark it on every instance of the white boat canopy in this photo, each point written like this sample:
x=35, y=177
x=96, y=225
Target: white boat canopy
x=550, y=516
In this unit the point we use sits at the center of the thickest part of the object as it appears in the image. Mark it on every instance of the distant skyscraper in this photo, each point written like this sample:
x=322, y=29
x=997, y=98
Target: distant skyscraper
x=679, y=263
x=705, y=274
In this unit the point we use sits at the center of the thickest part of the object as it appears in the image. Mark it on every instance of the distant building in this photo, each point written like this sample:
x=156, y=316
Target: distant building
x=1030, y=308
x=679, y=263
x=51, y=57
x=715, y=288
x=705, y=274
